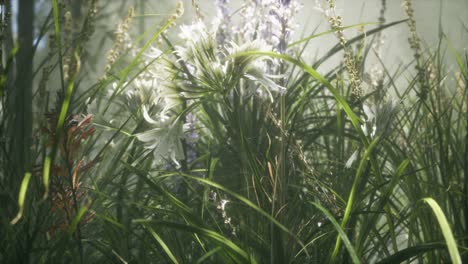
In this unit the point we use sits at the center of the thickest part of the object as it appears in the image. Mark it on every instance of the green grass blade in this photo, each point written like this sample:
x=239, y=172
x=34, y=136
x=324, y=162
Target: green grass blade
x=330, y=31
x=162, y=244
x=350, y=203
x=46, y=175
x=446, y=230
x=317, y=76
x=249, y=204
x=341, y=233
x=208, y=254
x=49, y=159
x=408, y=253
x=58, y=39
x=22, y=197
x=204, y=232
x=76, y=220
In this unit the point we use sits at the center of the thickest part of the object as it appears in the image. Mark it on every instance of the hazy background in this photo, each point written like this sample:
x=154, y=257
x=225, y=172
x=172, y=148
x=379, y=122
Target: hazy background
x=452, y=14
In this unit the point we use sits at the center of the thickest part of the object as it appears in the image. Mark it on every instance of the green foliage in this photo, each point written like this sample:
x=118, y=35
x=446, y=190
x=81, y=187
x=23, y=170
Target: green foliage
x=225, y=146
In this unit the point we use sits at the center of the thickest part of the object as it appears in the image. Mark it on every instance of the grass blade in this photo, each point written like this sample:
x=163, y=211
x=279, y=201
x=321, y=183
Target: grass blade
x=162, y=244
x=341, y=233
x=22, y=197
x=446, y=230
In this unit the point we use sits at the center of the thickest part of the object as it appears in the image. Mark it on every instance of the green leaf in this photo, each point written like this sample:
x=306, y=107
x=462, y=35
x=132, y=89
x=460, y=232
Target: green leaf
x=330, y=31
x=341, y=233
x=162, y=244
x=356, y=122
x=408, y=253
x=22, y=197
x=446, y=230
x=76, y=220
x=350, y=203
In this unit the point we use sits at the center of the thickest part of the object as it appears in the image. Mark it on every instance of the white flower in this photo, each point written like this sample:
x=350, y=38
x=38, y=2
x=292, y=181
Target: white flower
x=164, y=137
x=222, y=204
x=351, y=160
x=194, y=33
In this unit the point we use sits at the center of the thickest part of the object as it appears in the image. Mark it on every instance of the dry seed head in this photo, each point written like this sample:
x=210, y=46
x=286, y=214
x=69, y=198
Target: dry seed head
x=179, y=9
x=178, y=13
x=121, y=36
x=67, y=32
x=349, y=59
x=52, y=44
x=197, y=9
x=89, y=27
x=5, y=21
x=383, y=9
x=172, y=19
x=43, y=82
x=461, y=88
x=415, y=44
x=432, y=71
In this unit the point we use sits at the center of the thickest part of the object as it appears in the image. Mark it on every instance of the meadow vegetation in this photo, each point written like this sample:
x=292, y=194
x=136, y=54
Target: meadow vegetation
x=216, y=141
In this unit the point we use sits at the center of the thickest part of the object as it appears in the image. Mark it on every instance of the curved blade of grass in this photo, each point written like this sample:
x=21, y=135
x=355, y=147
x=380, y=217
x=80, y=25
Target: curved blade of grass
x=317, y=76
x=49, y=159
x=350, y=203
x=76, y=220
x=341, y=232
x=125, y=72
x=208, y=254
x=249, y=204
x=446, y=230
x=330, y=31
x=458, y=59
x=58, y=39
x=109, y=220
x=339, y=47
x=383, y=202
x=22, y=197
x=408, y=253
x=46, y=175
x=161, y=243
x=204, y=232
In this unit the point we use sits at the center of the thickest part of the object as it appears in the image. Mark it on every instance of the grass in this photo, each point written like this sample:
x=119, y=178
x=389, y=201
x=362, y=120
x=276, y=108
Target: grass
x=225, y=147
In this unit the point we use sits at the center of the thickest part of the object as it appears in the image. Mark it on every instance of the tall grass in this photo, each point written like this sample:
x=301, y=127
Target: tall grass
x=224, y=145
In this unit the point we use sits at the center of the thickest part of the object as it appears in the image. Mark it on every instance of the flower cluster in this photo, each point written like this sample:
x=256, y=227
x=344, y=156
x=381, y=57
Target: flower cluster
x=211, y=59
x=336, y=23
x=269, y=20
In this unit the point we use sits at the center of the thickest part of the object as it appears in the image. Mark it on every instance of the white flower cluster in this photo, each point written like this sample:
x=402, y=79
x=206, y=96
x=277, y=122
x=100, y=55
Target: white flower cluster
x=209, y=62
x=164, y=134
x=212, y=65
x=270, y=20
x=378, y=118
x=149, y=95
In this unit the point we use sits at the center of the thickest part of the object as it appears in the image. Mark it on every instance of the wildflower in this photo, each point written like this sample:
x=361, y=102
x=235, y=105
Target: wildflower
x=222, y=204
x=269, y=20
x=164, y=136
x=351, y=159
x=222, y=21
x=255, y=69
x=378, y=118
